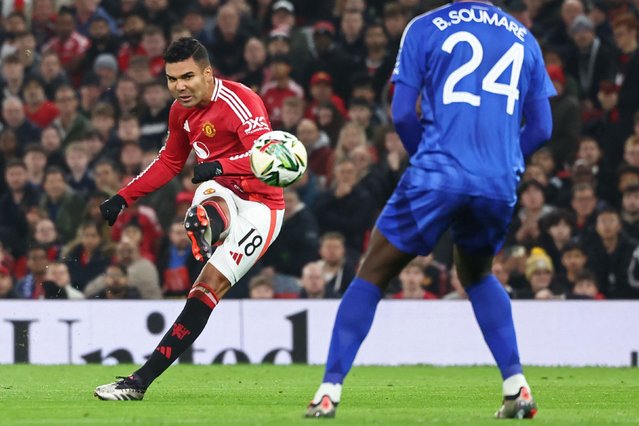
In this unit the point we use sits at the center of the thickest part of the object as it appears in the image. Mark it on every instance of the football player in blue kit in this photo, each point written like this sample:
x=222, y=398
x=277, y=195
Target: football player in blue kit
x=478, y=74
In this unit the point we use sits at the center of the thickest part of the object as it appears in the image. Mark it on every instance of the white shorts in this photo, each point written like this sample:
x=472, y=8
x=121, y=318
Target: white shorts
x=252, y=229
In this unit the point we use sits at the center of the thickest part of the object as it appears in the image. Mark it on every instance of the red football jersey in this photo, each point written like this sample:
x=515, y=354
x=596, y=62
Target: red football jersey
x=222, y=131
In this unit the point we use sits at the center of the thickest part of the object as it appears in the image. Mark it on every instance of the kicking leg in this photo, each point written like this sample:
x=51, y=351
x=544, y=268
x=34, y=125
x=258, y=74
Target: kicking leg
x=208, y=289
x=492, y=308
x=354, y=318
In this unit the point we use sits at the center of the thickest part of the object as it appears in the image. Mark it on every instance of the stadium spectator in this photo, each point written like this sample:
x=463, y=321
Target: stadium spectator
x=69, y=45
x=280, y=87
x=160, y=13
x=88, y=12
x=116, y=285
x=586, y=287
x=625, y=29
x=565, y=118
x=31, y=286
x=368, y=177
x=139, y=70
x=610, y=253
x=38, y=109
x=131, y=156
x=155, y=115
x=105, y=67
x=254, y=72
x=261, y=287
x=46, y=235
x=395, y=19
x=590, y=153
x=142, y=274
x=298, y=241
x=35, y=159
x=351, y=136
x=412, y=281
x=557, y=229
x=329, y=58
x=351, y=34
x=162, y=201
x=14, y=23
x=103, y=122
x=630, y=211
x=60, y=203
x=51, y=73
x=345, y=208
x=314, y=285
x=360, y=111
x=584, y=204
x=229, y=38
x=377, y=63
x=107, y=176
x=28, y=53
x=14, y=118
x=540, y=274
x=71, y=124
x=559, y=36
x=177, y=267
x=590, y=62
x=7, y=291
x=393, y=160
x=127, y=97
x=573, y=262
x=524, y=229
x=317, y=144
x=154, y=43
x=57, y=283
x=292, y=114
x=132, y=28
x=15, y=202
x=283, y=20
x=104, y=40
x=338, y=270
x=321, y=91
x=77, y=161
x=87, y=255
x=13, y=76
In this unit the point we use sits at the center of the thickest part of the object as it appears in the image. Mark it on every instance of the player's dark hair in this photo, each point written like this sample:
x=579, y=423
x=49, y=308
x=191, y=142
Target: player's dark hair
x=185, y=48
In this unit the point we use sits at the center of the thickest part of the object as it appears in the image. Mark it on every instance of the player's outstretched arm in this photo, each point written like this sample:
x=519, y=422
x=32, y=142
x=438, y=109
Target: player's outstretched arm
x=538, y=127
x=405, y=118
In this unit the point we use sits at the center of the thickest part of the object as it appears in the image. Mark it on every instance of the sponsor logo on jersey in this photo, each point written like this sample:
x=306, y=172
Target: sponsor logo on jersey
x=256, y=124
x=209, y=129
x=186, y=126
x=201, y=150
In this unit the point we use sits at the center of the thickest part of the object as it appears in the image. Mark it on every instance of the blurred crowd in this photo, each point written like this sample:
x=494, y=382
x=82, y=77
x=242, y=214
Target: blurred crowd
x=84, y=109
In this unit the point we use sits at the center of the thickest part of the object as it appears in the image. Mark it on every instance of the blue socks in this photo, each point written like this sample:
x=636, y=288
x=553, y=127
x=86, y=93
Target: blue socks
x=357, y=310
x=354, y=318
x=494, y=315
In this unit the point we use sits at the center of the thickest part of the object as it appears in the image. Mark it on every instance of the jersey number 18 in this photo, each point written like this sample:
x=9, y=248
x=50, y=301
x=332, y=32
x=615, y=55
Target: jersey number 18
x=514, y=56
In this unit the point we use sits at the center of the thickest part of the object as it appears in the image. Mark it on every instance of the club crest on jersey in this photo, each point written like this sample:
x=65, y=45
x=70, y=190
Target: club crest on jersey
x=209, y=129
x=256, y=124
x=201, y=150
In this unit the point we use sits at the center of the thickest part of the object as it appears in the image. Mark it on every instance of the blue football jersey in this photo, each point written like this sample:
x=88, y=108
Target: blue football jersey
x=475, y=67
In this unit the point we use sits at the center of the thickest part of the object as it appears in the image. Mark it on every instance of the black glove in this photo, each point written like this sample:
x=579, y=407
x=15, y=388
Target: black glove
x=206, y=171
x=112, y=207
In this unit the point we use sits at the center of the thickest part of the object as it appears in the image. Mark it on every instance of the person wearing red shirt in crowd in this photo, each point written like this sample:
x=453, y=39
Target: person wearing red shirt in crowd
x=322, y=91
x=232, y=209
x=279, y=88
x=37, y=108
x=132, y=36
x=412, y=278
x=69, y=44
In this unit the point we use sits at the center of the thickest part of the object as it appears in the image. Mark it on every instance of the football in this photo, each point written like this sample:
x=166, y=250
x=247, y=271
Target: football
x=278, y=158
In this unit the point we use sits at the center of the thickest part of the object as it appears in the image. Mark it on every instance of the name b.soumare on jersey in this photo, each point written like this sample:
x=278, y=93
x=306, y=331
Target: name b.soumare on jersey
x=475, y=66
x=222, y=131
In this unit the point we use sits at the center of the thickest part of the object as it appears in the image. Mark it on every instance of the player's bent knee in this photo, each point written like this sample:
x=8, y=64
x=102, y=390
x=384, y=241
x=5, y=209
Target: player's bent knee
x=210, y=282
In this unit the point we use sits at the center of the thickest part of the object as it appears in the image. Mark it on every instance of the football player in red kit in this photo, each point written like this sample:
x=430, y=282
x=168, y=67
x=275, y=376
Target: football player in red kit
x=219, y=120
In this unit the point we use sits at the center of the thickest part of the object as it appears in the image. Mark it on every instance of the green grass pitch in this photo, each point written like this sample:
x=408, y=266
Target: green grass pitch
x=277, y=395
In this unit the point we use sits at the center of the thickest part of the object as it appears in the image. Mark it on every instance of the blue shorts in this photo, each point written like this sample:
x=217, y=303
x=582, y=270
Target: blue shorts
x=415, y=217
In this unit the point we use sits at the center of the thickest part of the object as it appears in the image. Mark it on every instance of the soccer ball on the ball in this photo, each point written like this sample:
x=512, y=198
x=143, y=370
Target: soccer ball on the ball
x=278, y=158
